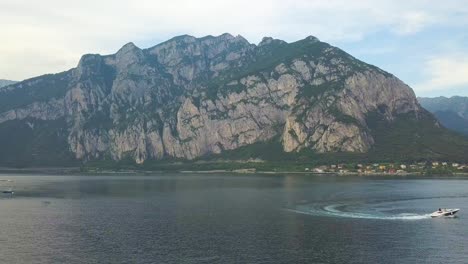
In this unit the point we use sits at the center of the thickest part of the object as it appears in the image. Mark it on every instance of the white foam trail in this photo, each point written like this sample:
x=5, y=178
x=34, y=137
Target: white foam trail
x=331, y=210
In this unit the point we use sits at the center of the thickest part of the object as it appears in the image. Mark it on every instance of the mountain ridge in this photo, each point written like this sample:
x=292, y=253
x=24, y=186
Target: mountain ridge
x=189, y=97
x=452, y=112
x=4, y=82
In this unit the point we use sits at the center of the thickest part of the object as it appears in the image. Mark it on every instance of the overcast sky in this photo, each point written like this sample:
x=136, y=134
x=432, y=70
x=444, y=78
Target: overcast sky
x=424, y=43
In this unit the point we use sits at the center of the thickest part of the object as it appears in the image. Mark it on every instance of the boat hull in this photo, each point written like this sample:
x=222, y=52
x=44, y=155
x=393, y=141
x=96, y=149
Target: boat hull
x=445, y=213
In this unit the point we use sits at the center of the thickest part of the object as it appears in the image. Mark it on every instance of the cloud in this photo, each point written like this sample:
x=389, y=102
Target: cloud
x=50, y=35
x=444, y=73
x=413, y=22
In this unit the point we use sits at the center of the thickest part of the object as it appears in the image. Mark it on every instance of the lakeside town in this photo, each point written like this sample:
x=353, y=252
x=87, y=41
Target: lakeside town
x=434, y=167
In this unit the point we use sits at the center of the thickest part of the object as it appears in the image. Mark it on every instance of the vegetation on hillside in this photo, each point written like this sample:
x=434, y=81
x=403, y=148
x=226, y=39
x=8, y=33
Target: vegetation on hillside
x=34, y=143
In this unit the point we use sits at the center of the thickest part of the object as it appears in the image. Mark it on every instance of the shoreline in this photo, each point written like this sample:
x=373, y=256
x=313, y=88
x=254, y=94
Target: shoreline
x=79, y=171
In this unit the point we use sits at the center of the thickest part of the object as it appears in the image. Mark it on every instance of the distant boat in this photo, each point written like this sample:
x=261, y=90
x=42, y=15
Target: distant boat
x=6, y=189
x=444, y=213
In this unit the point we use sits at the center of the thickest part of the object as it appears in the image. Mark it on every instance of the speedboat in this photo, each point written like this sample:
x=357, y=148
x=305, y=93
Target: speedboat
x=445, y=213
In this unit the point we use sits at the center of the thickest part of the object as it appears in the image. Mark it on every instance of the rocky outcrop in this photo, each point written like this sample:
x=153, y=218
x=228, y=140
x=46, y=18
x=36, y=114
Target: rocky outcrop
x=189, y=97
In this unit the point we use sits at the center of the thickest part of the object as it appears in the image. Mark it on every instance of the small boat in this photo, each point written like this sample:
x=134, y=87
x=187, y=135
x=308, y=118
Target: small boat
x=8, y=189
x=444, y=213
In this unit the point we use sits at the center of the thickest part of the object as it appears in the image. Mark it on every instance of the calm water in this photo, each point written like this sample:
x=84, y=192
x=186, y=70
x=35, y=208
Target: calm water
x=232, y=219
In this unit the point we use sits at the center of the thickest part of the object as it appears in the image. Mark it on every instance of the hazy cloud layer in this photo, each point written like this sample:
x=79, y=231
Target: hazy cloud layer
x=50, y=35
x=444, y=71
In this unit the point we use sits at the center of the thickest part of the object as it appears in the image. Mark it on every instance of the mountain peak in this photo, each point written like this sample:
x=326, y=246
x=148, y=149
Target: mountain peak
x=181, y=38
x=270, y=40
x=312, y=39
x=88, y=59
x=238, y=38
x=128, y=47
x=226, y=36
x=128, y=54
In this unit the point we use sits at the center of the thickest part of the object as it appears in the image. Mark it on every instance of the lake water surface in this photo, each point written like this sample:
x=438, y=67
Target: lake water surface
x=184, y=218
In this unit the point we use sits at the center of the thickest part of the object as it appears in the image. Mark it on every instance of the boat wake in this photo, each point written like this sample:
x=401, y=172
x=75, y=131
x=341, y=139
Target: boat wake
x=342, y=210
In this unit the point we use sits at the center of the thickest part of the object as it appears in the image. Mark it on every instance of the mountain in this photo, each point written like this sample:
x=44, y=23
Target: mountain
x=189, y=98
x=6, y=82
x=456, y=104
x=451, y=112
x=453, y=121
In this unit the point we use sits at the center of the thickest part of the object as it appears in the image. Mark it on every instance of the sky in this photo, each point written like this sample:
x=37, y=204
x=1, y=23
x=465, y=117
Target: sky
x=424, y=43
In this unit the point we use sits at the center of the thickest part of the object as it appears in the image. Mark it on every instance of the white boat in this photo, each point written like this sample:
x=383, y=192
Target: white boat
x=444, y=213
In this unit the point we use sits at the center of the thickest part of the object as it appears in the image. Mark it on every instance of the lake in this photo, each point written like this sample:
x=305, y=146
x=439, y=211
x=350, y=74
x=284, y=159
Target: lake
x=221, y=218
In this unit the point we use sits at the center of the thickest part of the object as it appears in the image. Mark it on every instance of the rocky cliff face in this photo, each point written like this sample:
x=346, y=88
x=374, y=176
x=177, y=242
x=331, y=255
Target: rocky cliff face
x=189, y=97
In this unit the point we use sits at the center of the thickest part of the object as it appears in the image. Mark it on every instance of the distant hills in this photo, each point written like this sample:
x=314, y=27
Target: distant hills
x=194, y=98
x=6, y=82
x=451, y=112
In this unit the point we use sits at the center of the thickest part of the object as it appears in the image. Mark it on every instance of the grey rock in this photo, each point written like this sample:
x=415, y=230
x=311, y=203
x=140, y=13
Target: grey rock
x=189, y=97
